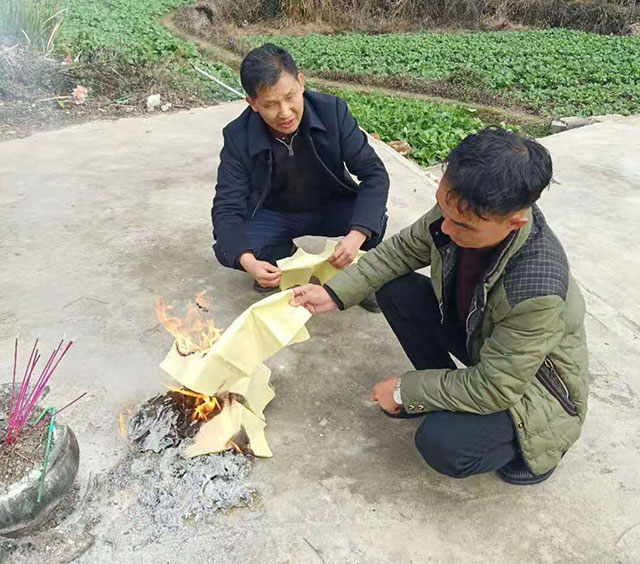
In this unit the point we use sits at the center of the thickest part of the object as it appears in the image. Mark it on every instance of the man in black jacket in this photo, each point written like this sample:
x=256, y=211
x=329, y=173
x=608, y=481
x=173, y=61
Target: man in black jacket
x=284, y=173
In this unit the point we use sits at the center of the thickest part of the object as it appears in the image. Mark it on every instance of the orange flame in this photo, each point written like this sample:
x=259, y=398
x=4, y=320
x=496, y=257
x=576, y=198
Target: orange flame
x=203, y=407
x=193, y=333
x=200, y=408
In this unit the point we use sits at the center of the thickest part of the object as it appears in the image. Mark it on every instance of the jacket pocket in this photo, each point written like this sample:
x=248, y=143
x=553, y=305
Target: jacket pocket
x=548, y=376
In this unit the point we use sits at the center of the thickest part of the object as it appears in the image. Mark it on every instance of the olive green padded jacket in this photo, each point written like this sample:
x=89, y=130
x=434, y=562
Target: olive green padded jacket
x=525, y=332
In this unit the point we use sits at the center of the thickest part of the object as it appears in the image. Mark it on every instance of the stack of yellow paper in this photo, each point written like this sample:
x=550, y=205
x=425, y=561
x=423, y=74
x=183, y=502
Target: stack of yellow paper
x=235, y=364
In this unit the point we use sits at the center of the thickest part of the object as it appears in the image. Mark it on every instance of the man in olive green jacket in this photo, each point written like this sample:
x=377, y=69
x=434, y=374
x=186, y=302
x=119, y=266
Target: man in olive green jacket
x=501, y=299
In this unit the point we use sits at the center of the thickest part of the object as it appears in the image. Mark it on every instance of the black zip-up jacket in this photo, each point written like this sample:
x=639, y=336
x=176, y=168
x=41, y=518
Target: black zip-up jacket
x=244, y=174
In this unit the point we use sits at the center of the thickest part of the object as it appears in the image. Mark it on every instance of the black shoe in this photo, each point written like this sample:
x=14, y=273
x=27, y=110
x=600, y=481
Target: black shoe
x=516, y=472
x=263, y=289
x=371, y=304
x=403, y=414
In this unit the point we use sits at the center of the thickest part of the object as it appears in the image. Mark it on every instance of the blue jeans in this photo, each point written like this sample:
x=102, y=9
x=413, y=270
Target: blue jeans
x=271, y=233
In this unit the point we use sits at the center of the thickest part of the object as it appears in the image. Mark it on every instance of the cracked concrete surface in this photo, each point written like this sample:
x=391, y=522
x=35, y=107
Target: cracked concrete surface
x=97, y=219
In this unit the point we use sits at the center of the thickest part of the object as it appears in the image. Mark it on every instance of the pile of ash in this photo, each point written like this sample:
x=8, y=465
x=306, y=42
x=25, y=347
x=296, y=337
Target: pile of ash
x=161, y=491
x=168, y=489
x=160, y=423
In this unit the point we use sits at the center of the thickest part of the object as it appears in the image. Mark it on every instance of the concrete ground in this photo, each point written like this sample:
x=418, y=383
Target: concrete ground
x=96, y=220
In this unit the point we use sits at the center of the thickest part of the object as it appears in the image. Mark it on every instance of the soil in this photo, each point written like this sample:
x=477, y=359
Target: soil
x=24, y=118
x=17, y=460
x=435, y=88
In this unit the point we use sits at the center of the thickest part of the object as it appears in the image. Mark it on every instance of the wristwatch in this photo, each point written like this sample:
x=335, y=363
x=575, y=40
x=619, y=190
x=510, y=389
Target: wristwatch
x=397, y=397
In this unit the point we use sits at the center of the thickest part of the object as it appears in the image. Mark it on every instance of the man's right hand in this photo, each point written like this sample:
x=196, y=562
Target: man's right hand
x=313, y=297
x=264, y=273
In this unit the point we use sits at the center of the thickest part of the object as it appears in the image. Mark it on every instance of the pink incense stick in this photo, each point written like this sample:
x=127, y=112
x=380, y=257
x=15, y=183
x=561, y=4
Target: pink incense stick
x=13, y=379
x=22, y=404
x=24, y=386
x=41, y=383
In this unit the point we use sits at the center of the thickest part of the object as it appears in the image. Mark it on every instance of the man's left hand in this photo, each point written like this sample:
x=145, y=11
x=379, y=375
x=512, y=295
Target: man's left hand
x=383, y=395
x=347, y=249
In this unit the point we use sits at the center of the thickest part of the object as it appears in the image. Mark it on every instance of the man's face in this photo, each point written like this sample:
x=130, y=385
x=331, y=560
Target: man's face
x=466, y=229
x=281, y=106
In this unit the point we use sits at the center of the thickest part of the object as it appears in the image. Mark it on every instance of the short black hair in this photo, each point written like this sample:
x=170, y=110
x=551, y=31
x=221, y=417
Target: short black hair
x=497, y=171
x=263, y=67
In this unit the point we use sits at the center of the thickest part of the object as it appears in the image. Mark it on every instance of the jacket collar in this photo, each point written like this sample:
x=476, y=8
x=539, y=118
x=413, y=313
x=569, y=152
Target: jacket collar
x=512, y=245
x=259, y=139
x=507, y=249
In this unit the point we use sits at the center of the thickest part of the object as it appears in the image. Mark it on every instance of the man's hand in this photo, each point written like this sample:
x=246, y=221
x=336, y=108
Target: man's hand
x=264, y=273
x=313, y=297
x=347, y=249
x=383, y=395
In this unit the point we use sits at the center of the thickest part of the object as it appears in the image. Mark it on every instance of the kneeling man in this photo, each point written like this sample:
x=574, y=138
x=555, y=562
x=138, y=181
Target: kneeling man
x=500, y=298
x=285, y=172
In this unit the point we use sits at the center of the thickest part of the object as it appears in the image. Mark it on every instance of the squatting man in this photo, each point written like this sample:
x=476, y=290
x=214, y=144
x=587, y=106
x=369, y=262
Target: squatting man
x=500, y=297
x=285, y=172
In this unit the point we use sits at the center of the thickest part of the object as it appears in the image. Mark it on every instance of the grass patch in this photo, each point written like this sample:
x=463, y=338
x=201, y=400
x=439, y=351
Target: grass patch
x=125, y=46
x=554, y=72
x=32, y=22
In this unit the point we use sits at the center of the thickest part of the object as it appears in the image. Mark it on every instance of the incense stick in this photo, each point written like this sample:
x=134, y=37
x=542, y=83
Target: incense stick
x=22, y=405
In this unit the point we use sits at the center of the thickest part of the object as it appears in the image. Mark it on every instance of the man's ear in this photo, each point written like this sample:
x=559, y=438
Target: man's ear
x=301, y=80
x=252, y=103
x=518, y=220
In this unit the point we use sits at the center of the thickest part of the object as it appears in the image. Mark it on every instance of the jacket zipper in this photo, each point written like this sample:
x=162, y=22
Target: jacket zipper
x=289, y=145
x=475, y=308
x=548, y=376
x=485, y=292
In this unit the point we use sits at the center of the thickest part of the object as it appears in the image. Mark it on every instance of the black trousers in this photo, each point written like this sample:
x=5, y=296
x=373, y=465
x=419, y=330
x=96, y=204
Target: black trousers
x=457, y=444
x=270, y=233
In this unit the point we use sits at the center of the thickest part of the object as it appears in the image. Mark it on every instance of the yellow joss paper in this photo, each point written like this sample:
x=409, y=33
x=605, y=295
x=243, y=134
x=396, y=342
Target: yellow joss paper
x=215, y=435
x=259, y=332
x=235, y=364
x=255, y=389
x=302, y=266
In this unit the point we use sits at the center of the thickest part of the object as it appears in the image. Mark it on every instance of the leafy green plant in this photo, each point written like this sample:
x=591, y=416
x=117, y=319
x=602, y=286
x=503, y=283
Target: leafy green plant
x=33, y=22
x=432, y=130
x=555, y=72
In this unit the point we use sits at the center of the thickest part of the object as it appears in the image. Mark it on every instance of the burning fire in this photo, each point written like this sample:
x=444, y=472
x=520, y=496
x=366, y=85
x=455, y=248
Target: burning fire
x=197, y=333
x=194, y=333
x=202, y=407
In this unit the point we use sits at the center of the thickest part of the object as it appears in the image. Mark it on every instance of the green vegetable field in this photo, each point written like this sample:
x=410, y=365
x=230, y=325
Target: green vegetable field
x=556, y=72
x=553, y=72
x=432, y=130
